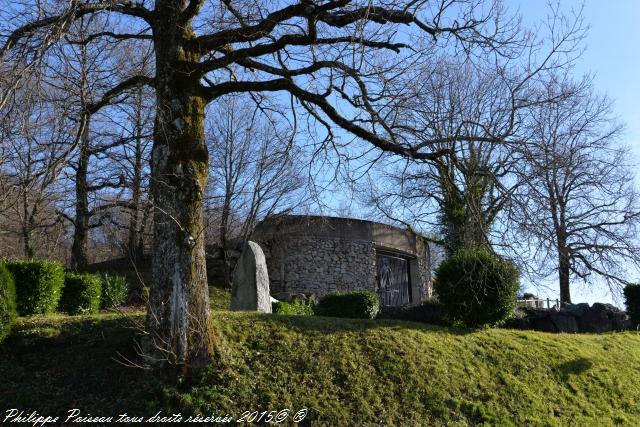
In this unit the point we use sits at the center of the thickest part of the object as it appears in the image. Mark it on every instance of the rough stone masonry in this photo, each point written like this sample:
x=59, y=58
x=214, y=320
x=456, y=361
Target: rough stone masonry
x=321, y=255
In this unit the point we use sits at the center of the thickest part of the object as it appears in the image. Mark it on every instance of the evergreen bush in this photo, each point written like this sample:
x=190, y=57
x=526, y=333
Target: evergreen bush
x=115, y=290
x=632, y=302
x=81, y=293
x=357, y=305
x=38, y=285
x=296, y=308
x=476, y=288
x=8, y=309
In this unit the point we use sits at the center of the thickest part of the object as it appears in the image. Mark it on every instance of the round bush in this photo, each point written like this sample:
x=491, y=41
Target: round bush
x=632, y=302
x=356, y=305
x=38, y=285
x=81, y=293
x=114, y=290
x=8, y=310
x=476, y=288
x=295, y=308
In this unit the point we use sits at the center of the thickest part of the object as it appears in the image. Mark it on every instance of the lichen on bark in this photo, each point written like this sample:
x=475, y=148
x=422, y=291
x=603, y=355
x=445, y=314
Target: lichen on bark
x=179, y=335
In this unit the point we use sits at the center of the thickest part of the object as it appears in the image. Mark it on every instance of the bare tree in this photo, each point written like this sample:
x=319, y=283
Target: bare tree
x=256, y=170
x=135, y=160
x=580, y=209
x=86, y=69
x=325, y=55
x=459, y=195
x=35, y=143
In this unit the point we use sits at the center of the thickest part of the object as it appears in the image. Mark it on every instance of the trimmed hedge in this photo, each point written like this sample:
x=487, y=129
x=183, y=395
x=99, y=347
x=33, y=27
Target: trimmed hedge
x=38, y=285
x=632, y=302
x=296, y=308
x=8, y=310
x=115, y=290
x=355, y=305
x=81, y=293
x=476, y=288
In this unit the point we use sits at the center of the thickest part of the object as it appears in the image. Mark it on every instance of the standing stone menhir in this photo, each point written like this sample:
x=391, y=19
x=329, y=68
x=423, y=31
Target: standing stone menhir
x=251, y=281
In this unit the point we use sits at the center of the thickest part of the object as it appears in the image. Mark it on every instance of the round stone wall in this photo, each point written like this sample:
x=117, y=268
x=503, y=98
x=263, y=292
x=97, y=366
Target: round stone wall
x=321, y=255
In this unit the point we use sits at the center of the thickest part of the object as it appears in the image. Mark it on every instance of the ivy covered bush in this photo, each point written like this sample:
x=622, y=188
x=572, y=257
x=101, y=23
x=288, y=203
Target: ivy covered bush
x=8, y=310
x=81, y=294
x=38, y=285
x=476, y=288
x=357, y=305
x=632, y=302
x=115, y=290
x=296, y=308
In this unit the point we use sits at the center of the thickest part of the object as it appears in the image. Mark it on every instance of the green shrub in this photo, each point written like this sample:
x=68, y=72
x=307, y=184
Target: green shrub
x=38, y=285
x=8, y=310
x=476, y=288
x=632, y=302
x=81, y=293
x=115, y=290
x=296, y=308
x=357, y=305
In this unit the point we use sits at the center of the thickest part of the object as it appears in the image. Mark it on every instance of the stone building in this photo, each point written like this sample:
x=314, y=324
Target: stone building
x=320, y=255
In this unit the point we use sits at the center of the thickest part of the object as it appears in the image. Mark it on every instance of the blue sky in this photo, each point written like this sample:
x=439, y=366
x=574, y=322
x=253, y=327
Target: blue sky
x=612, y=51
x=612, y=54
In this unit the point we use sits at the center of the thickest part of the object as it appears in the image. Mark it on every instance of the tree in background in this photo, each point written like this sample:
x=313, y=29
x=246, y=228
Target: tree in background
x=461, y=194
x=86, y=69
x=579, y=206
x=256, y=170
x=36, y=150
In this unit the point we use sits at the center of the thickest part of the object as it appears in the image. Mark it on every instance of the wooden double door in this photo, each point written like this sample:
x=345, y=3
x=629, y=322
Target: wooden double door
x=394, y=285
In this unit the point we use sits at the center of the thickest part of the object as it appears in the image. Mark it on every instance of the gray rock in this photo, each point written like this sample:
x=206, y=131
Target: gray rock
x=299, y=297
x=564, y=323
x=621, y=321
x=251, y=281
x=575, y=309
x=572, y=318
x=283, y=296
x=596, y=319
x=543, y=324
x=517, y=323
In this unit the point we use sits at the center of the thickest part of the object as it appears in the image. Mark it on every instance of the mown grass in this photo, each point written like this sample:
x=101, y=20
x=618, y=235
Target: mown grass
x=348, y=372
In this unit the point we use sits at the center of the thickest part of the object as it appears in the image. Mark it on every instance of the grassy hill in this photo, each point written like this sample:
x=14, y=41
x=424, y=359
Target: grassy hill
x=348, y=372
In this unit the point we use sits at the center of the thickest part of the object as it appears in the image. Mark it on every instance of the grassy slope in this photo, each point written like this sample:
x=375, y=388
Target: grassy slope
x=350, y=372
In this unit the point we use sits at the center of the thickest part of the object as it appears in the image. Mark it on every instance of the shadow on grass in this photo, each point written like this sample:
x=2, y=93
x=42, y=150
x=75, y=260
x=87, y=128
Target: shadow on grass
x=53, y=365
x=576, y=366
x=339, y=324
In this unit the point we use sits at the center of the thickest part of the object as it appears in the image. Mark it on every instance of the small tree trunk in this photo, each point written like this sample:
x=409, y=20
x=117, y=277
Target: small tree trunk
x=563, y=271
x=224, y=244
x=27, y=227
x=136, y=192
x=27, y=236
x=179, y=331
x=81, y=230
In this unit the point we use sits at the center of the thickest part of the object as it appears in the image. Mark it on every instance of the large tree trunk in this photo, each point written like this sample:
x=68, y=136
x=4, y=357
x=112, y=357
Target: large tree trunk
x=178, y=324
x=81, y=221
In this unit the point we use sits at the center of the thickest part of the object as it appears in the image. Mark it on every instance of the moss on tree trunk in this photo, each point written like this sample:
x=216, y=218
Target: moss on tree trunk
x=178, y=315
